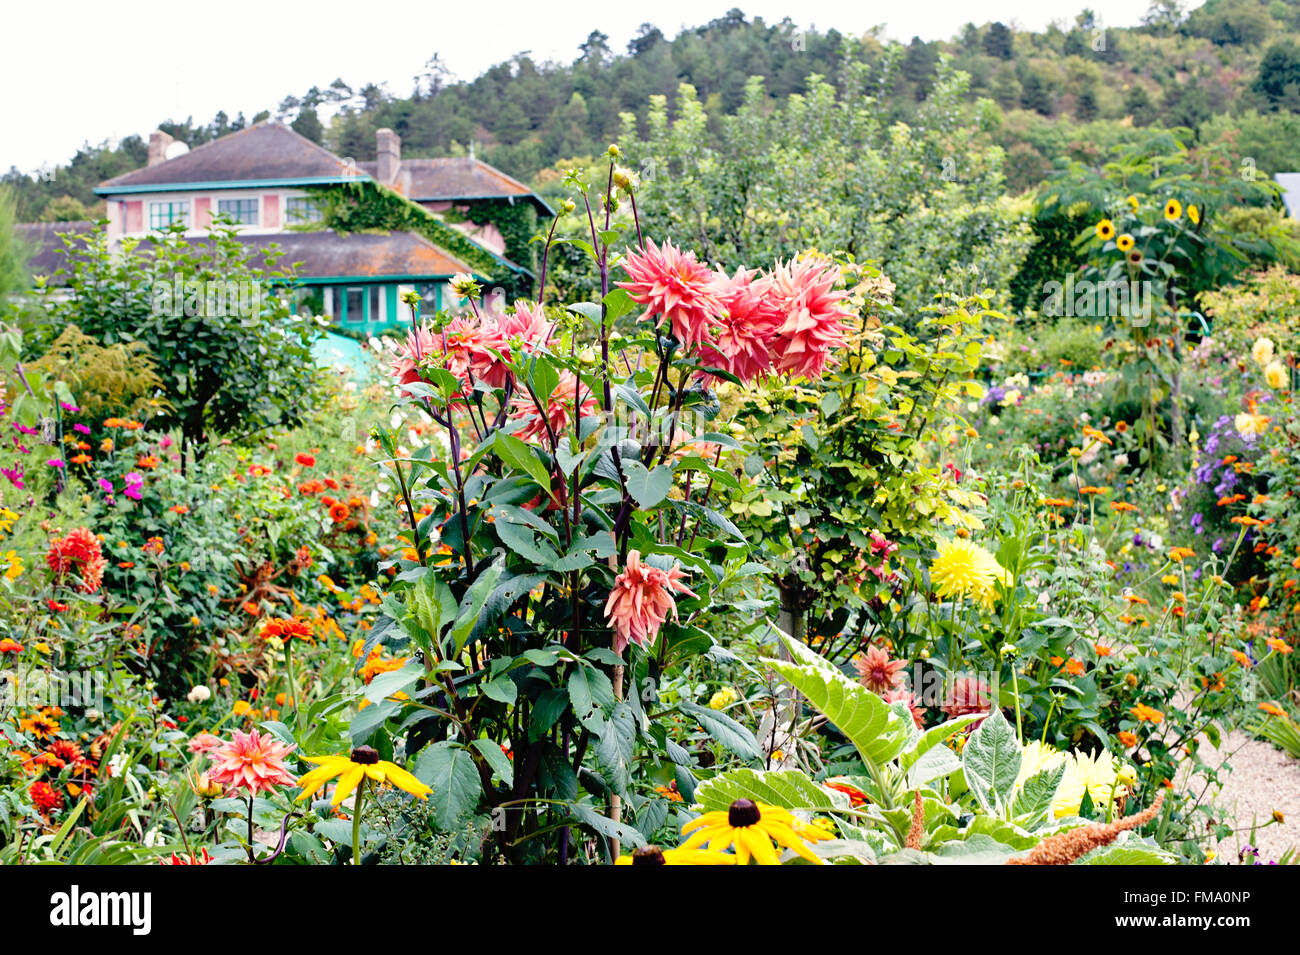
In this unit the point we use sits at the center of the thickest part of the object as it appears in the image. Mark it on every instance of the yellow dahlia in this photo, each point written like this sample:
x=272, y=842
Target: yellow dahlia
x=1276, y=376
x=1262, y=351
x=964, y=569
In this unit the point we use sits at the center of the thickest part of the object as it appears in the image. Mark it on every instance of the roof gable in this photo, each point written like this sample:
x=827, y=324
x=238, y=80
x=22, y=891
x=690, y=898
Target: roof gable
x=458, y=177
x=263, y=153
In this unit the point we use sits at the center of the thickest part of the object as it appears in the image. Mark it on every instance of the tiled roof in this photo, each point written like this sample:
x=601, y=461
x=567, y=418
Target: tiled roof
x=457, y=177
x=323, y=254
x=264, y=152
x=326, y=254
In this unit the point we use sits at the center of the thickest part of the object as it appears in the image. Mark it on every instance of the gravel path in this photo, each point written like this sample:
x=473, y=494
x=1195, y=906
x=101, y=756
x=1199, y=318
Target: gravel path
x=1262, y=779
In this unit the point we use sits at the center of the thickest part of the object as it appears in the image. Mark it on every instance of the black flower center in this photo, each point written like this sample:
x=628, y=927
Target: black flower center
x=743, y=812
x=648, y=855
x=367, y=755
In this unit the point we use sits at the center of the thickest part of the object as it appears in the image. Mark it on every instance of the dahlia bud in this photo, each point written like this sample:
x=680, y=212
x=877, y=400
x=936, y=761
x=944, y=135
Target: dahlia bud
x=567, y=206
x=465, y=286
x=410, y=297
x=614, y=152
x=625, y=179
x=204, y=786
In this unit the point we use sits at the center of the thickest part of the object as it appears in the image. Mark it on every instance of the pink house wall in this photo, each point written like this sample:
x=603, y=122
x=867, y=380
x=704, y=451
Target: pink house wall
x=134, y=216
x=202, y=213
x=270, y=211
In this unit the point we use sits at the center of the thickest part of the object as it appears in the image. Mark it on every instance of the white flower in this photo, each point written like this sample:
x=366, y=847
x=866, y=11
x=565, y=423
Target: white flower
x=1262, y=351
x=115, y=764
x=199, y=694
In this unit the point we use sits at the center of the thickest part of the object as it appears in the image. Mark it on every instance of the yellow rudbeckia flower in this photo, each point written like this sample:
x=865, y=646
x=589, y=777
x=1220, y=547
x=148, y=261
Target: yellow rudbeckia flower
x=751, y=828
x=653, y=855
x=363, y=763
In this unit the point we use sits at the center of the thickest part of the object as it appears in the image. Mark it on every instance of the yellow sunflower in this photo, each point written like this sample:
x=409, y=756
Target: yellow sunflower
x=1132, y=203
x=363, y=763
x=1124, y=242
x=751, y=828
x=653, y=855
x=1173, y=210
x=1105, y=230
x=1194, y=214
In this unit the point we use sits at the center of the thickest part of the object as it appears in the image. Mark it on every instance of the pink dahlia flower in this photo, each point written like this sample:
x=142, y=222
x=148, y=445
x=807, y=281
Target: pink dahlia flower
x=741, y=341
x=459, y=344
x=877, y=672
x=671, y=283
x=559, y=409
x=253, y=761
x=967, y=695
x=804, y=291
x=527, y=326
x=203, y=743
x=641, y=600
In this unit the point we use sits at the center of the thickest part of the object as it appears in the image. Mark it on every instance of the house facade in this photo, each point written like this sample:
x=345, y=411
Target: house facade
x=359, y=234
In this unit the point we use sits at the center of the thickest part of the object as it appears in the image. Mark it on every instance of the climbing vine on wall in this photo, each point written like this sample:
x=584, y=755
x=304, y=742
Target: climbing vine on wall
x=364, y=204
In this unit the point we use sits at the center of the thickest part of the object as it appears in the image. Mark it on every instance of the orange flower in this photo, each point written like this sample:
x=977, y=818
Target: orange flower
x=1272, y=709
x=1129, y=740
x=1147, y=714
x=146, y=462
x=1281, y=646
x=1179, y=554
x=1241, y=658
x=1122, y=506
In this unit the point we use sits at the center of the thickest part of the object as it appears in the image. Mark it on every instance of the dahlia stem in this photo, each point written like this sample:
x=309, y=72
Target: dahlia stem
x=292, y=698
x=356, y=820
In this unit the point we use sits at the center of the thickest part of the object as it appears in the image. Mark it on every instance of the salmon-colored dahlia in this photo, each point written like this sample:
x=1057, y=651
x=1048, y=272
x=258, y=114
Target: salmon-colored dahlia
x=530, y=426
x=903, y=695
x=641, y=600
x=804, y=291
x=78, y=555
x=526, y=326
x=741, y=341
x=877, y=672
x=253, y=761
x=456, y=347
x=672, y=284
x=967, y=696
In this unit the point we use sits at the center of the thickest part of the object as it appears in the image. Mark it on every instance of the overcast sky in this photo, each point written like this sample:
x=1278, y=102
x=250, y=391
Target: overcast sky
x=76, y=71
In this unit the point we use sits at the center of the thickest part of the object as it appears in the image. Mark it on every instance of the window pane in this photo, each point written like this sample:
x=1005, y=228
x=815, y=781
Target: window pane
x=301, y=209
x=243, y=211
x=163, y=214
x=376, y=309
x=356, y=305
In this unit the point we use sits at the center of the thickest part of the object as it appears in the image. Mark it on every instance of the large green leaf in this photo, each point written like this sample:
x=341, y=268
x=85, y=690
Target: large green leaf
x=1034, y=800
x=786, y=788
x=1131, y=852
x=877, y=731
x=991, y=761
x=725, y=730
x=450, y=771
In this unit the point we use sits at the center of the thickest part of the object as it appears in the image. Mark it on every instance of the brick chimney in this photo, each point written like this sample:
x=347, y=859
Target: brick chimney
x=390, y=156
x=158, y=143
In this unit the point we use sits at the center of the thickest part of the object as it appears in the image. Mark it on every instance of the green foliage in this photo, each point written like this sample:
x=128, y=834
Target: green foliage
x=119, y=380
x=234, y=360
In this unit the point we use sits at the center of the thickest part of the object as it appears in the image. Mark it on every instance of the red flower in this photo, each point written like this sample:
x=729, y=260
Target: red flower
x=339, y=512
x=305, y=459
x=641, y=600
x=741, y=342
x=78, y=554
x=286, y=628
x=45, y=798
x=968, y=695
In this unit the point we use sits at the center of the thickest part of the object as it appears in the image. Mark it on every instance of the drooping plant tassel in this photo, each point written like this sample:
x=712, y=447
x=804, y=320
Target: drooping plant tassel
x=918, y=824
x=1064, y=847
